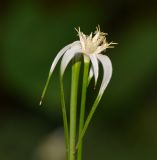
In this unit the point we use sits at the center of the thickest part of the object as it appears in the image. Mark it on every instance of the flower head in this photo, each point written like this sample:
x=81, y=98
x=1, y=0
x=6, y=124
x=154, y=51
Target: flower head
x=90, y=47
x=94, y=44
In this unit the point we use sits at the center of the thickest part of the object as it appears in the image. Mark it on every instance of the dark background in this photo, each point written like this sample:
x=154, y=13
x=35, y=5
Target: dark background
x=32, y=32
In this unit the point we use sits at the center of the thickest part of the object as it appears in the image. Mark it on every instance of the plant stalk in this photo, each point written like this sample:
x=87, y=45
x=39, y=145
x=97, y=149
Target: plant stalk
x=83, y=103
x=88, y=120
x=65, y=121
x=73, y=107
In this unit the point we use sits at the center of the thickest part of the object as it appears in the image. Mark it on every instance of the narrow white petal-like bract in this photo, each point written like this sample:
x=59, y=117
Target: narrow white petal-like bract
x=54, y=63
x=107, y=69
x=60, y=54
x=90, y=74
x=95, y=66
x=69, y=55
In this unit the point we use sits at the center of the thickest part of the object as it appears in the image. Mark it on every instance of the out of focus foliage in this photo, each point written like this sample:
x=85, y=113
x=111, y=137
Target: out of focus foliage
x=32, y=32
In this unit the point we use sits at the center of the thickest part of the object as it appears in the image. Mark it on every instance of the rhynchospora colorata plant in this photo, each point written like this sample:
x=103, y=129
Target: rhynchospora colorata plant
x=91, y=49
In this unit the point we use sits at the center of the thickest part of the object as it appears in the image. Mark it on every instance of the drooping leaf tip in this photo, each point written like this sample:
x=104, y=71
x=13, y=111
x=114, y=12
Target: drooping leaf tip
x=41, y=101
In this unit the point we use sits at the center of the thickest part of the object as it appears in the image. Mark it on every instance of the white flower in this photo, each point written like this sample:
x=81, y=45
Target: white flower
x=91, y=47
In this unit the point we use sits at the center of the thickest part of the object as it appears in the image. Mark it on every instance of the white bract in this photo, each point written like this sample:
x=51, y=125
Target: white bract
x=91, y=48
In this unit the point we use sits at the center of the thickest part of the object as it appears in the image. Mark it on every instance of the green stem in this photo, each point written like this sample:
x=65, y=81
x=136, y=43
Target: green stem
x=73, y=107
x=91, y=113
x=83, y=103
x=65, y=121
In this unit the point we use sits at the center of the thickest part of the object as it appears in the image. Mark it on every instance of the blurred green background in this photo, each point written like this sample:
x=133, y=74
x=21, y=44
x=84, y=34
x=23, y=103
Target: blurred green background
x=32, y=32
